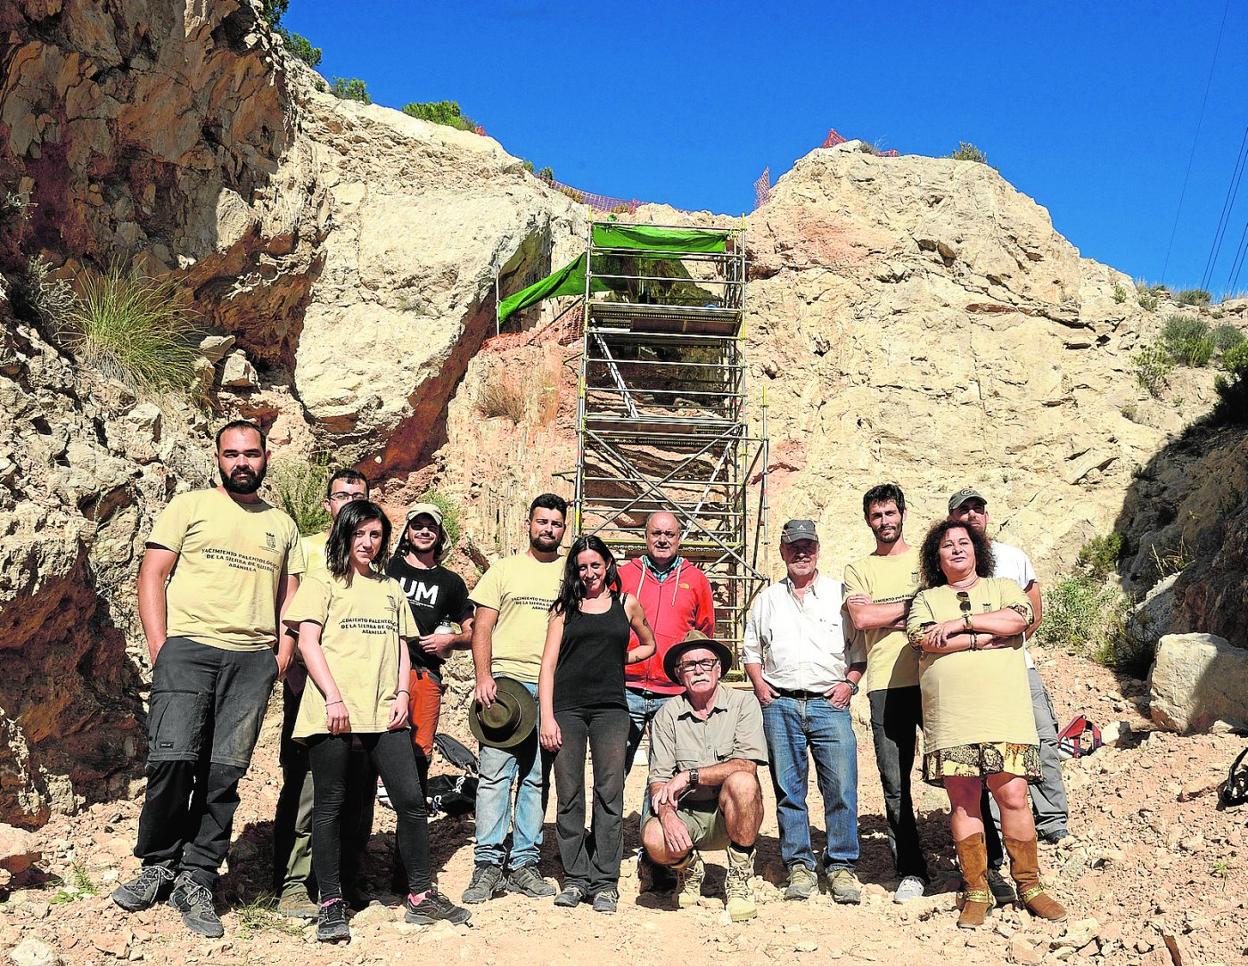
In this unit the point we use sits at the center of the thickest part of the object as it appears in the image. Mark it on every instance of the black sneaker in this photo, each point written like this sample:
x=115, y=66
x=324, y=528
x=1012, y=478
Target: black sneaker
x=331, y=923
x=194, y=902
x=529, y=882
x=434, y=907
x=608, y=900
x=571, y=896
x=149, y=887
x=487, y=882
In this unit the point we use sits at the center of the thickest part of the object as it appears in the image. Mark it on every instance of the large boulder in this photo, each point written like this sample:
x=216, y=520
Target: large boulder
x=1198, y=683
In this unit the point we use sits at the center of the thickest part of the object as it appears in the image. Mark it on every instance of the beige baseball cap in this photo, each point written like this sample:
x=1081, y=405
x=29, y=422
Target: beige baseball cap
x=425, y=509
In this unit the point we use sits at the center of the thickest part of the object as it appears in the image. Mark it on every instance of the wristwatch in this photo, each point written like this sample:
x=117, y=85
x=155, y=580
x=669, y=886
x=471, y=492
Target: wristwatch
x=693, y=777
x=853, y=687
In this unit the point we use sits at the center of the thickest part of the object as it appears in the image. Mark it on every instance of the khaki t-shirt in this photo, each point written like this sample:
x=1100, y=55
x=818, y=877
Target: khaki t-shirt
x=891, y=663
x=361, y=626
x=314, y=555
x=522, y=590
x=231, y=557
x=974, y=696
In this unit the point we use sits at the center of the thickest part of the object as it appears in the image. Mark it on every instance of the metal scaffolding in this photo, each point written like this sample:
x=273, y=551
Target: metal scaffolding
x=662, y=417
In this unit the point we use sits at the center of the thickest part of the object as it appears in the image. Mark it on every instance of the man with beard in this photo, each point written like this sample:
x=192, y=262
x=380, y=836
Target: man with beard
x=219, y=567
x=879, y=588
x=513, y=601
x=292, y=823
x=676, y=598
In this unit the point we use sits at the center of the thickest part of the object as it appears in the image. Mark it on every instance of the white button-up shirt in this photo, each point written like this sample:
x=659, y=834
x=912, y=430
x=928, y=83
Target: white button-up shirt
x=799, y=642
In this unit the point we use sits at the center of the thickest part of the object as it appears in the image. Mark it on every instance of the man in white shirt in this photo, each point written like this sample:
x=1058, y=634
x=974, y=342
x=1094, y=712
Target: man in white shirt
x=804, y=676
x=1048, y=796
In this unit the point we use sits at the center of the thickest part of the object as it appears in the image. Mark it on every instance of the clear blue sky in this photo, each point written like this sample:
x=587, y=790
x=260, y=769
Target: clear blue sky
x=1090, y=108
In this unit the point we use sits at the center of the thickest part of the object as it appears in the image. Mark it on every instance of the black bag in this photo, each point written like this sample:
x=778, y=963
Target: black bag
x=453, y=795
x=1235, y=790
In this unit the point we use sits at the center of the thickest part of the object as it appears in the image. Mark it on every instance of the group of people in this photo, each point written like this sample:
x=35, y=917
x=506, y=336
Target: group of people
x=572, y=654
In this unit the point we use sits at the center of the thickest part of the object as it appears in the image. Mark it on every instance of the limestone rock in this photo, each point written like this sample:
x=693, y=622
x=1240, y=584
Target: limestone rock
x=214, y=347
x=1199, y=682
x=34, y=952
x=19, y=849
x=239, y=373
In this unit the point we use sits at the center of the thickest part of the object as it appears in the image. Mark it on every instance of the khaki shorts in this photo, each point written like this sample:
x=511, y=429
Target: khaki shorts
x=706, y=826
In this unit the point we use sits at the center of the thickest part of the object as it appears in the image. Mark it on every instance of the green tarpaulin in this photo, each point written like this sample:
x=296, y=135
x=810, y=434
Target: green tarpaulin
x=660, y=239
x=569, y=280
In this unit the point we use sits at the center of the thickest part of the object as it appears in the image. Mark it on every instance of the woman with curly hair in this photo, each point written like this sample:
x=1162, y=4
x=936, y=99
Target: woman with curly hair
x=978, y=727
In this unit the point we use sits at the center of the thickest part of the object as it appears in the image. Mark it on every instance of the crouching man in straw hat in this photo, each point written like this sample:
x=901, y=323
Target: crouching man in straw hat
x=705, y=748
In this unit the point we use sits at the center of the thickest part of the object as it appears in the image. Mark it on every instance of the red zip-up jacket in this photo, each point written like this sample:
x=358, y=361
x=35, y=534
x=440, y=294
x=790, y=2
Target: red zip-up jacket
x=674, y=607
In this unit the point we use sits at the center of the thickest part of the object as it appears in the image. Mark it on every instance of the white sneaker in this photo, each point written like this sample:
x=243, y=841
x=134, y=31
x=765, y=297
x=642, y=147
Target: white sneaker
x=383, y=796
x=911, y=888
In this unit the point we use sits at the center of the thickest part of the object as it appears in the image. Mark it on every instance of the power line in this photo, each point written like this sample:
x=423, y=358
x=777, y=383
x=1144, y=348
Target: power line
x=1237, y=263
x=1195, y=137
x=1228, y=205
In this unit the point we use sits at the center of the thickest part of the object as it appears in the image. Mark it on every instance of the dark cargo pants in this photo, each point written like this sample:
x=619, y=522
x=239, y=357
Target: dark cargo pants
x=204, y=717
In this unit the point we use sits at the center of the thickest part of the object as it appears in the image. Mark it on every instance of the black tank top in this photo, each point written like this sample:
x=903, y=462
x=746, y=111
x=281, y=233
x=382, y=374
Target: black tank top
x=590, y=672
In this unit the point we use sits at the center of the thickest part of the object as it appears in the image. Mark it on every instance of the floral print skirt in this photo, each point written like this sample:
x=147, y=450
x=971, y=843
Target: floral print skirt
x=981, y=760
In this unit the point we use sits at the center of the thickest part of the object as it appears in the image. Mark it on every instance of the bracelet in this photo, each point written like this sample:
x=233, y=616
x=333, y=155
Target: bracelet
x=328, y=703
x=974, y=642
x=403, y=691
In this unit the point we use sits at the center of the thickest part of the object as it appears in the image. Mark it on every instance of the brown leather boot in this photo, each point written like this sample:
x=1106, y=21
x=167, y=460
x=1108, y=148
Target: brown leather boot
x=975, y=899
x=1025, y=871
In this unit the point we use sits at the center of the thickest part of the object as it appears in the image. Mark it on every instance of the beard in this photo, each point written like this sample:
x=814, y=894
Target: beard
x=243, y=481
x=544, y=545
x=888, y=534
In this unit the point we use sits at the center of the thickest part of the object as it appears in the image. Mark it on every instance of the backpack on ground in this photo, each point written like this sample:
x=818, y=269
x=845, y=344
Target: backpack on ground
x=1080, y=737
x=453, y=794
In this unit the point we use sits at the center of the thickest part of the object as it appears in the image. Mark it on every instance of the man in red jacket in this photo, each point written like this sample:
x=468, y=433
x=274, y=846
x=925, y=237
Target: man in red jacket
x=676, y=598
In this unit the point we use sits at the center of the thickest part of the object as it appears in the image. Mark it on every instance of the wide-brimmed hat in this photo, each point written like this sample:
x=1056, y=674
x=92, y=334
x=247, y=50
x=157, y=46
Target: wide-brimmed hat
x=509, y=720
x=695, y=639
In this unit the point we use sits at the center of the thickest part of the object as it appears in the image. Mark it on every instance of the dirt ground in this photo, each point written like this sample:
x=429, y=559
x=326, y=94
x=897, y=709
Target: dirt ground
x=1153, y=874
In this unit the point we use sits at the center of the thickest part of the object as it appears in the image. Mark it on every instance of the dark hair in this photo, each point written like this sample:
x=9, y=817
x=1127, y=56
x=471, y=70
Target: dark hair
x=351, y=476
x=572, y=588
x=241, y=424
x=884, y=493
x=405, y=545
x=549, y=501
x=338, y=546
x=929, y=555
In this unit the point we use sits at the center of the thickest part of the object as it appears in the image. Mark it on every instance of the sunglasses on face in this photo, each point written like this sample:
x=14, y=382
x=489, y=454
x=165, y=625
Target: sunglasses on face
x=704, y=665
x=418, y=527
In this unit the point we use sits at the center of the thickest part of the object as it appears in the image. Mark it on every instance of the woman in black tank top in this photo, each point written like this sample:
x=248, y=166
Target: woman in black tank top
x=581, y=699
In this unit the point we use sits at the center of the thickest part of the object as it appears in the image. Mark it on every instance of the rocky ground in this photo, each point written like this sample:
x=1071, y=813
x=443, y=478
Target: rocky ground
x=1153, y=874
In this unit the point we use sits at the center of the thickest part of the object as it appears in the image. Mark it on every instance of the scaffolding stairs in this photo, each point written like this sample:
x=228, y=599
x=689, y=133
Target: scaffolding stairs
x=662, y=418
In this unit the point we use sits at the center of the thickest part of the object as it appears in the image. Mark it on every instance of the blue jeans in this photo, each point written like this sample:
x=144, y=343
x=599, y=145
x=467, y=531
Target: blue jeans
x=641, y=711
x=793, y=726
x=499, y=769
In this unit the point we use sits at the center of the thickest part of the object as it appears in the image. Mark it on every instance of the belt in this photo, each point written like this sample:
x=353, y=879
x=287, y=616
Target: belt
x=650, y=694
x=799, y=695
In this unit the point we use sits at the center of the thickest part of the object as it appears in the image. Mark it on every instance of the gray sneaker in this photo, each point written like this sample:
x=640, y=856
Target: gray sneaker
x=529, y=882
x=194, y=902
x=845, y=887
x=487, y=882
x=296, y=904
x=152, y=884
x=803, y=883
x=911, y=887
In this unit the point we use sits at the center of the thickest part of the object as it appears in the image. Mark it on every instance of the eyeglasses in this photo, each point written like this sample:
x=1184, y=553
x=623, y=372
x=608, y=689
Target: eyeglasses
x=343, y=497
x=703, y=665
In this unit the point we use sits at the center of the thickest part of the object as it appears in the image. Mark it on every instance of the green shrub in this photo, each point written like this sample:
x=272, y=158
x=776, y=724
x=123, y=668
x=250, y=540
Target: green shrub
x=132, y=328
x=1084, y=612
x=298, y=487
x=1193, y=296
x=529, y=166
x=441, y=112
x=1227, y=336
x=1146, y=300
x=968, y=152
x=272, y=10
x=300, y=47
x=1120, y=293
x=450, y=514
x=1232, y=386
x=1188, y=340
x=1153, y=365
x=547, y=173
x=1099, y=556
x=351, y=89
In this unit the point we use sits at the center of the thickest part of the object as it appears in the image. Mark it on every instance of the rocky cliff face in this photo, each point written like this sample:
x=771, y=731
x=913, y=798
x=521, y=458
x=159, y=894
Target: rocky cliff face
x=910, y=319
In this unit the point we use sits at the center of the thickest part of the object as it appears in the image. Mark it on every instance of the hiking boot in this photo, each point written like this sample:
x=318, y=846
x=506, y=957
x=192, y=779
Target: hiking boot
x=608, y=901
x=297, y=904
x=1002, y=891
x=845, y=887
x=803, y=883
x=975, y=899
x=1055, y=836
x=331, y=923
x=653, y=877
x=1025, y=871
x=151, y=885
x=737, y=889
x=194, y=902
x=487, y=882
x=529, y=882
x=911, y=887
x=434, y=907
x=571, y=896
x=690, y=872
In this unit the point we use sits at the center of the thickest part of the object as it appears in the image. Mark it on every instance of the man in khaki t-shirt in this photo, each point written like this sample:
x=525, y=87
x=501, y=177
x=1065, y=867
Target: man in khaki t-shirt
x=513, y=601
x=878, y=591
x=219, y=565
